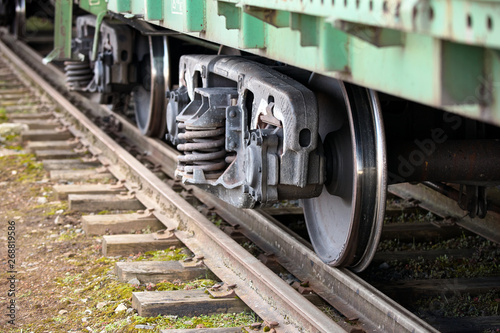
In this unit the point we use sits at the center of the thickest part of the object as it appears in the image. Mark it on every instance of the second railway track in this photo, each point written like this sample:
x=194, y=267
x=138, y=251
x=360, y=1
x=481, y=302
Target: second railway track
x=261, y=289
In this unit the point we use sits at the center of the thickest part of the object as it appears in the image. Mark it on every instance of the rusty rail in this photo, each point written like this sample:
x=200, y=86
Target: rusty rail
x=260, y=288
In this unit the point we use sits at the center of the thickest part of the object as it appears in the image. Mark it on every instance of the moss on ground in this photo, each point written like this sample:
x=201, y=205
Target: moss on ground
x=52, y=208
x=483, y=262
x=21, y=168
x=3, y=116
x=100, y=293
x=92, y=296
x=64, y=284
x=173, y=254
x=461, y=305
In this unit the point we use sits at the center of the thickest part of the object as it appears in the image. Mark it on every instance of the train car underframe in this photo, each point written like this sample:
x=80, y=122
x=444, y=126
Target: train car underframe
x=254, y=131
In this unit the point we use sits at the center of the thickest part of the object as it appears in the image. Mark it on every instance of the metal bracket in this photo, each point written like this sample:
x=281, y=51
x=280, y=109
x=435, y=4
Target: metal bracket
x=143, y=214
x=377, y=36
x=274, y=17
x=164, y=234
x=95, y=45
x=143, y=27
x=127, y=195
x=216, y=291
x=62, y=31
x=118, y=185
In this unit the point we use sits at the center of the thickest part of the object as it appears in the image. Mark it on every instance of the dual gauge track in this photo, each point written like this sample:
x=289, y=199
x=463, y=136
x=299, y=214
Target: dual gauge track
x=261, y=289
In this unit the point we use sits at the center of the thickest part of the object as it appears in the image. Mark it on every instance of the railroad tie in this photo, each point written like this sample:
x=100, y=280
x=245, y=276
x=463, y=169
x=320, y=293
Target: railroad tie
x=63, y=191
x=31, y=116
x=101, y=202
x=68, y=164
x=80, y=175
x=157, y=271
x=206, y=330
x=36, y=124
x=119, y=223
x=184, y=303
x=124, y=245
x=34, y=146
x=45, y=135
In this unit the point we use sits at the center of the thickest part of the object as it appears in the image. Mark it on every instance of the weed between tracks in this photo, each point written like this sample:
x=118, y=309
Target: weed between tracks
x=63, y=284
x=482, y=262
x=463, y=257
x=3, y=116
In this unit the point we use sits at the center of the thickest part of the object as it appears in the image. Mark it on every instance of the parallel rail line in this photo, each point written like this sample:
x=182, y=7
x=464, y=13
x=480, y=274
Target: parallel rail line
x=262, y=290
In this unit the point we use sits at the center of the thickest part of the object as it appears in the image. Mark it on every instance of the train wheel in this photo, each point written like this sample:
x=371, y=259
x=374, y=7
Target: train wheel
x=149, y=97
x=345, y=221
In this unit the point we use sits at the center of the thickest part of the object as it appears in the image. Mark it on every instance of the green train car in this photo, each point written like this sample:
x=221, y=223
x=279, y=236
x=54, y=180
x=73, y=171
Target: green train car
x=323, y=101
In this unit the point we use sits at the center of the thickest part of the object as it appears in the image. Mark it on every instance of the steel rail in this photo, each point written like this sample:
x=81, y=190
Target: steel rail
x=345, y=291
x=447, y=208
x=262, y=290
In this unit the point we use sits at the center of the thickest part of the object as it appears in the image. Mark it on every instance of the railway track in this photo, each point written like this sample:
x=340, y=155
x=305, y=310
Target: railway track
x=261, y=289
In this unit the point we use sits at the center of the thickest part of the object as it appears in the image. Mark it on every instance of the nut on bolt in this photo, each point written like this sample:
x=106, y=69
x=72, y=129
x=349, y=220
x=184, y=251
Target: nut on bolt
x=256, y=325
x=269, y=326
x=216, y=286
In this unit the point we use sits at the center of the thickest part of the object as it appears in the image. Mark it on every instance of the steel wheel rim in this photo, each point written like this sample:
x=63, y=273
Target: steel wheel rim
x=149, y=98
x=345, y=227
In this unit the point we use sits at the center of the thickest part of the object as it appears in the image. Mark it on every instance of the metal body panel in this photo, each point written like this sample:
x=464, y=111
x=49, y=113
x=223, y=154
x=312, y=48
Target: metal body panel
x=468, y=22
x=440, y=53
x=62, y=31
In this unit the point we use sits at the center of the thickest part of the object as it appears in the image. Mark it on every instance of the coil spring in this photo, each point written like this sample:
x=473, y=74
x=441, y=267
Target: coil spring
x=203, y=150
x=78, y=74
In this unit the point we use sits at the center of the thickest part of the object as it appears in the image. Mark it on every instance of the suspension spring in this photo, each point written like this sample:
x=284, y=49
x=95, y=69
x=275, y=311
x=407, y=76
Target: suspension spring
x=203, y=150
x=78, y=74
